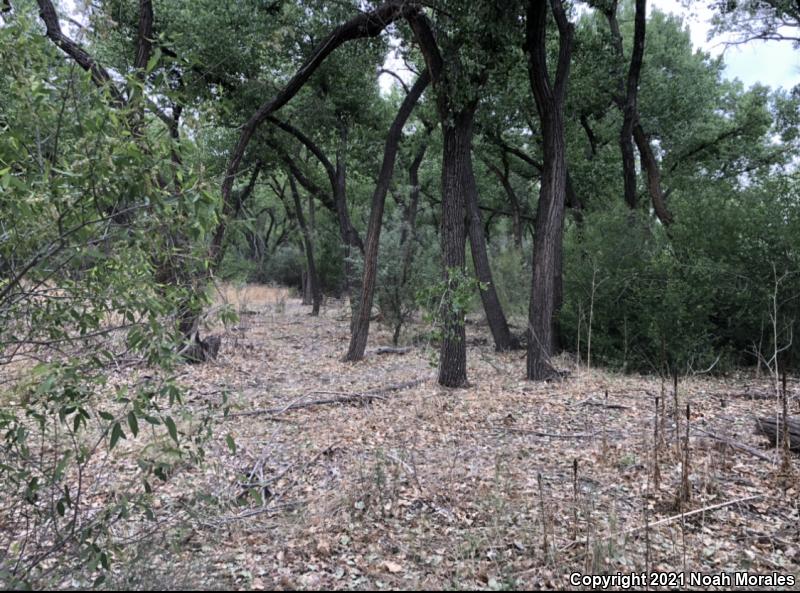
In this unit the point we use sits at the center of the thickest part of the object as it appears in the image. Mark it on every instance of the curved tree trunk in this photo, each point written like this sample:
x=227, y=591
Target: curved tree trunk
x=360, y=326
x=365, y=24
x=631, y=127
x=651, y=168
x=477, y=240
x=547, y=245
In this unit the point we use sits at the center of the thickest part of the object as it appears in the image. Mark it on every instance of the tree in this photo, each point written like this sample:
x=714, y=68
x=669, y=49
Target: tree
x=360, y=325
x=626, y=100
x=456, y=85
x=368, y=24
x=758, y=20
x=550, y=98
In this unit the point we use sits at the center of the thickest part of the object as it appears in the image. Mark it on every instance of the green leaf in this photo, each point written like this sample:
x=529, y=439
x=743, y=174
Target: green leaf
x=231, y=444
x=133, y=423
x=116, y=434
x=173, y=430
x=153, y=61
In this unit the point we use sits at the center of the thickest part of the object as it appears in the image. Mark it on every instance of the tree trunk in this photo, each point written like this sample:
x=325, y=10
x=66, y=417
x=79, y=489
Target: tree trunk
x=305, y=287
x=558, y=289
x=651, y=168
x=491, y=303
x=457, y=147
x=631, y=128
x=409, y=233
x=313, y=279
x=360, y=326
x=547, y=245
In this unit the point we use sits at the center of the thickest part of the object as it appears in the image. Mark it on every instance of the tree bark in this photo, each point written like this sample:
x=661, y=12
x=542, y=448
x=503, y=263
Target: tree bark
x=653, y=171
x=457, y=146
x=629, y=108
x=360, y=326
x=456, y=153
x=631, y=127
x=547, y=245
x=498, y=324
x=308, y=244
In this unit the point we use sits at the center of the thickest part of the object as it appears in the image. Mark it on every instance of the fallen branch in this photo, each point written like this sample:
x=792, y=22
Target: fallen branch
x=713, y=507
x=345, y=398
x=773, y=430
x=736, y=445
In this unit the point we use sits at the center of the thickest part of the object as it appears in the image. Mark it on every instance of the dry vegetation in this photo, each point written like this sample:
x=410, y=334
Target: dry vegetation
x=506, y=484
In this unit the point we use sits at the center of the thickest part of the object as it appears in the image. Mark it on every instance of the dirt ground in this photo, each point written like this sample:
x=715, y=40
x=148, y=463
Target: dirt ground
x=507, y=484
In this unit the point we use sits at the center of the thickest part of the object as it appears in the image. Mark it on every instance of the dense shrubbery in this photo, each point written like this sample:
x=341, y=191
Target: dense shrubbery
x=678, y=300
x=98, y=255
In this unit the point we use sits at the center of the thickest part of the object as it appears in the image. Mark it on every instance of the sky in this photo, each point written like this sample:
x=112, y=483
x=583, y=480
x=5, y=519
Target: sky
x=774, y=63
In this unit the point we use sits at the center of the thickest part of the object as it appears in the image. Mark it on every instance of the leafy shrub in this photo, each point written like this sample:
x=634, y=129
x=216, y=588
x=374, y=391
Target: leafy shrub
x=98, y=260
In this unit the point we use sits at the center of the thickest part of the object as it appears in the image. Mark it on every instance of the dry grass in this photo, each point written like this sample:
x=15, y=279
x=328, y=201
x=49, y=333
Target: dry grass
x=250, y=298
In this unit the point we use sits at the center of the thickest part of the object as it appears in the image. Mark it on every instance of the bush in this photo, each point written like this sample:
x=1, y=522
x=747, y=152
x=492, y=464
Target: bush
x=95, y=266
x=396, y=288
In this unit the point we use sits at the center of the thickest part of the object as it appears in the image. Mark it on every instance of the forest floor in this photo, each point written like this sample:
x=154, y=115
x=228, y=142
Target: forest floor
x=504, y=484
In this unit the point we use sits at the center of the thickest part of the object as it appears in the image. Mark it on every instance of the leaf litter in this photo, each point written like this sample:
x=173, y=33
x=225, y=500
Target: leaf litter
x=311, y=483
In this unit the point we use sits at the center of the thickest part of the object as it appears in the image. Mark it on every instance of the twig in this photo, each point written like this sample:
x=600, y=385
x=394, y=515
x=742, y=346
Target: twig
x=666, y=520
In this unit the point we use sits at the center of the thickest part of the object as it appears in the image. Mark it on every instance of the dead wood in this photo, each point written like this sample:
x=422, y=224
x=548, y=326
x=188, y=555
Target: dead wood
x=772, y=428
x=735, y=444
x=344, y=398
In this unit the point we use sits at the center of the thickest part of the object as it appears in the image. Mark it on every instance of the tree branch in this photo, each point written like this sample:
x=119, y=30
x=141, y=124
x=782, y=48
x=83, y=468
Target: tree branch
x=368, y=24
x=100, y=75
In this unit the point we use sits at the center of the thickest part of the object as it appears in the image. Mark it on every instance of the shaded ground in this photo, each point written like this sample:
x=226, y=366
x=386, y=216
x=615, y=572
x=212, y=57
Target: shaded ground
x=433, y=488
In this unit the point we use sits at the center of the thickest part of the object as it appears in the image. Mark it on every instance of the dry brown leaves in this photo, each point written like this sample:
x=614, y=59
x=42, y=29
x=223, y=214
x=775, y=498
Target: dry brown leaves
x=472, y=488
